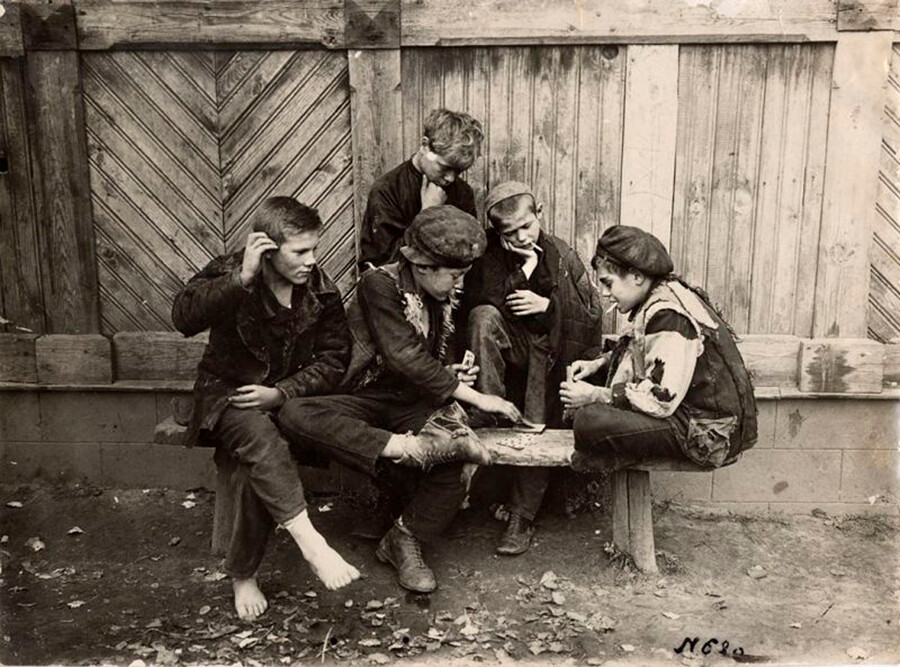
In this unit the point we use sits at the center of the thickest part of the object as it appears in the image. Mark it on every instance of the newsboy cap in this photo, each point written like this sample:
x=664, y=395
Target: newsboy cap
x=443, y=236
x=636, y=249
x=505, y=190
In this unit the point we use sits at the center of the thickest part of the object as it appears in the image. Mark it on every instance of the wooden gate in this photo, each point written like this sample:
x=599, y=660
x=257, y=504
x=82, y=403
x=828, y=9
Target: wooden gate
x=183, y=146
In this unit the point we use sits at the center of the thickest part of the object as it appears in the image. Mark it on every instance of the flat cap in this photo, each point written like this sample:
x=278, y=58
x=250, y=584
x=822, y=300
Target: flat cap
x=443, y=236
x=503, y=191
x=635, y=248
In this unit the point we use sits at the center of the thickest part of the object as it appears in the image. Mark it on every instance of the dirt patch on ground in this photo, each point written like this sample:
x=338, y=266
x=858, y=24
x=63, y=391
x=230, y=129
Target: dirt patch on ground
x=136, y=581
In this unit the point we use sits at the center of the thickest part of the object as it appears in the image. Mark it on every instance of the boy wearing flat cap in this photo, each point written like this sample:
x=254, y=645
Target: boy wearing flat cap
x=677, y=386
x=451, y=141
x=399, y=383
x=531, y=311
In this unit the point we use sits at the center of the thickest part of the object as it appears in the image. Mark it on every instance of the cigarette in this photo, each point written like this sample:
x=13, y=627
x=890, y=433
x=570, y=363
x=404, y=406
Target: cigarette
x=610, y=309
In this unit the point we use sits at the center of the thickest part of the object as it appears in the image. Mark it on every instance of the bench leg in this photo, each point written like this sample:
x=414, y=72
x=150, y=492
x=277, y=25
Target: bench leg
x=633, y=519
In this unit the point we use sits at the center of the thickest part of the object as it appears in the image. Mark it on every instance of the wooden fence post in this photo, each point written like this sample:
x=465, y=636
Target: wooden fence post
x=851, y=178
x=60, y=171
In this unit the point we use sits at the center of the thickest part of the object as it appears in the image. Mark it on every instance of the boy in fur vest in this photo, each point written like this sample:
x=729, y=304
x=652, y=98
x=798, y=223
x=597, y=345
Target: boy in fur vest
x=676, y=385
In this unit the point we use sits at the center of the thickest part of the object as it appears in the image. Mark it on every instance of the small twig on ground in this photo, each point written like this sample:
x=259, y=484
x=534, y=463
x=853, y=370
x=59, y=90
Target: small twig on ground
x=827, y=609
x=325, y=643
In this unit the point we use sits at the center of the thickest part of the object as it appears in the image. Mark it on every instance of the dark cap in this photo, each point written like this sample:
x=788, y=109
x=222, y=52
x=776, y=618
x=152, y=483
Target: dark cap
x=443, y=236
x=635, y=248
x=505, y=190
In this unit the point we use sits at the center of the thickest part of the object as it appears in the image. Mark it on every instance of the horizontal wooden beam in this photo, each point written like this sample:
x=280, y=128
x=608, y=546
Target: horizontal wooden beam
x=107, y=24
x=11, y=43
x=842, y=365
x=470, y=22
x=156, y=355
x=868, y=15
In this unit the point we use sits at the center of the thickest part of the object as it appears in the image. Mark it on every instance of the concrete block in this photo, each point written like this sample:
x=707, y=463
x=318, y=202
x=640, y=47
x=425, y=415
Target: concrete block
x=765, y=423
x=780, y=476
x=837, y=424
x=720, y=507
x=20, y=416
x=28, y=461
x=97, y=416
x=837, y=509
x=868, y=473
x=681, y=486
x=132, y=465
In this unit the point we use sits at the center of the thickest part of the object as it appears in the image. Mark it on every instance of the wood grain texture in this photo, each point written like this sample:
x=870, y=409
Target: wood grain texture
x=11, y=43
x=105, y=24
x=21, y=298
x=48, y=25
x=648, y=154
x=868, y=15
x=18, y=362
x=73, y=359
x=376, y=106
x=62, y=192
x=884, y=288
x=841, y=365
x=640, y=521
x=474, y=22
x=854, y=139
x=156, y=355
x=891, y=378
x=371, y=24
x=773, y=360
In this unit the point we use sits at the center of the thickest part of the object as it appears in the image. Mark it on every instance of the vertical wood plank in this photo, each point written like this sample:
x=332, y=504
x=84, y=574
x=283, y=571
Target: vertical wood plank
x=542, y=137
x=648, y=154
x=500, y=116
x=621, y=533
x=523, y=68
x=734, y=179
x=20, y=273
x=376, y=109
x=478, y=103
x=854, y=138
x=565, y=142
x=640, y=521
x=698, y=81
x=411, y=83
x=62, y=191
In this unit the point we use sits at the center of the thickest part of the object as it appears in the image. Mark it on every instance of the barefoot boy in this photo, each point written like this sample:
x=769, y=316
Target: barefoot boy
x=400, y=384
x=450, y=143
x=677, y=386
x=277, y=331
x=533, y=311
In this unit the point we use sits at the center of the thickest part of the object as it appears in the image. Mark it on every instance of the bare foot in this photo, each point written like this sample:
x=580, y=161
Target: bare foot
x=327, y=563
x=249, y=602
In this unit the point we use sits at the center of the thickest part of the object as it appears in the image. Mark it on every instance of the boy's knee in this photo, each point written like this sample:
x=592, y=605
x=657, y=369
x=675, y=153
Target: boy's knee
x=592, y=421
x=484, y=321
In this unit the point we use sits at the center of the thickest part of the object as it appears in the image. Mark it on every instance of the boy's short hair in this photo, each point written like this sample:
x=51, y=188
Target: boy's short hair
x=455, y=136
x=611, y=265
x=279, y=217
x=509, y=206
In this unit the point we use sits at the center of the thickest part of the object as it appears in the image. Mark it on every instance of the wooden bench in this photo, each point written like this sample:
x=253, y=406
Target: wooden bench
x=632, y=513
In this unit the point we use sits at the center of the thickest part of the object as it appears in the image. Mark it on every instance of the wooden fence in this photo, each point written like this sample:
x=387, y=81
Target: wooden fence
x=761, y=141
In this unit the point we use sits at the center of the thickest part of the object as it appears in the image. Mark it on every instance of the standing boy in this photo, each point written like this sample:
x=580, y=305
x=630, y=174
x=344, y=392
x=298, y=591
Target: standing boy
x=400, y=403
x=677, y=386
x=277, y=331
x=450, y=143
x=532, y=311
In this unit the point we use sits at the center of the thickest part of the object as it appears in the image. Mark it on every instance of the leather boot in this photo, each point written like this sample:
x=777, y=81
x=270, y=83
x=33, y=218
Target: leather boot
x=402, y=549
x=445, y=438
x=517, y=536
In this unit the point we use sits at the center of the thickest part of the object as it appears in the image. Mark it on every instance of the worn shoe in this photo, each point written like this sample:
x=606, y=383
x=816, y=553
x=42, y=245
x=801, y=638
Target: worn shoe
x=402, y=549
x=445, y=438
x=517, y=536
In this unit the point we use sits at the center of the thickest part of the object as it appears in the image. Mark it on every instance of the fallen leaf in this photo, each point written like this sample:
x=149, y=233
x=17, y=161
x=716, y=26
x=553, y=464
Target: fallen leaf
x=796, y=626
x=838, y=572
x=188, y=504
x=669, y=614
x=74, y=530
x=14, y=503
x=155, y=623
x=215, y=576
x=204, y=610
x=595, y=661
x=137, y=663
x=191, y=496
x=757, y=572
x=575, y=616
x=74, y=604
x=348, y=604
x=369, y=642
x=558, y=598
x=548, y=580
x=379, y=658
x=4, y=539
x=311, y=594
x=175, y=541
x=374, y=604
x=600, y=592
x=661, y=594
x=35, y=544
x=857, y=653
x=628, y=648
x=249, y=641
x=536, y=647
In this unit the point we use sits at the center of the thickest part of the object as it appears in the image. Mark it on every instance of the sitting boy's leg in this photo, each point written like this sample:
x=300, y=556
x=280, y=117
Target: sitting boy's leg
x=495, y=345
x=605, y=430
x=254, y=440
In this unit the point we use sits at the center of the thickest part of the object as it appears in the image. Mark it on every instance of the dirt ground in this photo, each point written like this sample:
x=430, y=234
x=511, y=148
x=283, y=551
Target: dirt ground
x=118, y=576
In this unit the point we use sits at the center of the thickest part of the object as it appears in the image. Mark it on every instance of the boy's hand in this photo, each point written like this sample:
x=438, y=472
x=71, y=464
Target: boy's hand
x=525, y=302
x=257, y=245
x=578, y=394
x=256, y=396
x=432, y=194
x=586, y=368
x=464, y=373
x=499, y=406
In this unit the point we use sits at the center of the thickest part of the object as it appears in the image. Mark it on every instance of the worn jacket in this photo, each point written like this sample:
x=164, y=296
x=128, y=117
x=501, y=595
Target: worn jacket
x=679, y=360
x=390, y=345
x=573, y=318
x=394, y=200
x=214, y=299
